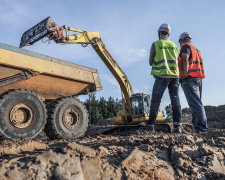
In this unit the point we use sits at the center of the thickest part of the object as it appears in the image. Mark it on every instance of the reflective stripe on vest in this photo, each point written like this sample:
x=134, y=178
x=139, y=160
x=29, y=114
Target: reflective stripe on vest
x=165, y=60
x=193, y=62
x=165, y=67
x=195, y=68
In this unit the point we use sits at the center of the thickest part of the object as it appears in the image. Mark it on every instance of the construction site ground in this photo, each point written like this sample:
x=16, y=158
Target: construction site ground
x=133, y=153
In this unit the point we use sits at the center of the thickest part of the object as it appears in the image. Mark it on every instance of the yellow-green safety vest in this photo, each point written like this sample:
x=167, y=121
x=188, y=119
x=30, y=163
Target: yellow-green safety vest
x=165, y=60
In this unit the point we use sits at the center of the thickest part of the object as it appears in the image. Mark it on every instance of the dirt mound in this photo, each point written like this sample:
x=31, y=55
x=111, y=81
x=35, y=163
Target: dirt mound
x=135, y=153
x=215, y=116
x=141, y=155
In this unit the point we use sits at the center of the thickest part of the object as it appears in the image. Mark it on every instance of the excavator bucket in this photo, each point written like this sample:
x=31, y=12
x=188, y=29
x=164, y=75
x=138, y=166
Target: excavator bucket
x=39, y=31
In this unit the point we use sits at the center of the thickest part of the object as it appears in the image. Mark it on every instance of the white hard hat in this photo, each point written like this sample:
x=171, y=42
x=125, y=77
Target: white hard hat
x=185, y=35
x=164, y=27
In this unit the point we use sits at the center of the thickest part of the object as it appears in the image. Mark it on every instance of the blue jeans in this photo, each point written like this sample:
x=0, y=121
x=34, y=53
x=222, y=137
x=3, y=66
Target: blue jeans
x=192, y=87
x=159, y=87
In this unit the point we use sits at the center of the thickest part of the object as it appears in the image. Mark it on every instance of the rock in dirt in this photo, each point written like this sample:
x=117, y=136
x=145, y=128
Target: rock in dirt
x=146, y=165
x=23, y=146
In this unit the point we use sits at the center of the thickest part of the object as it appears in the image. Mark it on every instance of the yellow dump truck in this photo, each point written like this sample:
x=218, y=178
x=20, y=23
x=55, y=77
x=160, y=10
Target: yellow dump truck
x=38, y=91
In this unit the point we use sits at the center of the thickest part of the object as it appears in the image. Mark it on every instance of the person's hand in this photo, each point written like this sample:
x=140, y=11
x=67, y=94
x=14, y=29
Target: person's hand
x=185, y=76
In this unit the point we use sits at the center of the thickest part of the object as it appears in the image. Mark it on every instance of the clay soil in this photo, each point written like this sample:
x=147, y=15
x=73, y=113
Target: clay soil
x=135, y=153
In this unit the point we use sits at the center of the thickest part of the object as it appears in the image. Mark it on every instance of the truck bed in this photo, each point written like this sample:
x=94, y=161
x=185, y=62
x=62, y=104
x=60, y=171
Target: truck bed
x=51, y=78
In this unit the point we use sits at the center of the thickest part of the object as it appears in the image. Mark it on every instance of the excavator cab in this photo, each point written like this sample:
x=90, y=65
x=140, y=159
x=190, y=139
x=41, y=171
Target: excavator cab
x=140, y=103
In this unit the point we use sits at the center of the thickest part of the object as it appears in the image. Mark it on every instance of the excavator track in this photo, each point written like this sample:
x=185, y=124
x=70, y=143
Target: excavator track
x=113, y=129
x=127, y=129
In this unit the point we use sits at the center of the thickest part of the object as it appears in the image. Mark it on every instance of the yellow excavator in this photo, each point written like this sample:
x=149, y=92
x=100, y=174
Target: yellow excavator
x=136, y=106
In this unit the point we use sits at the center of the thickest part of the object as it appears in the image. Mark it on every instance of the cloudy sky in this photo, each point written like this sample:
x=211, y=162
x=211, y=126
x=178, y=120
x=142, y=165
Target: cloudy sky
x=128, y=28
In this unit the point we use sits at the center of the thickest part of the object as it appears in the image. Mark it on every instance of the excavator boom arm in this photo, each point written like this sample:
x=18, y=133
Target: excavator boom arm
x=49, y=28
x=94, y=38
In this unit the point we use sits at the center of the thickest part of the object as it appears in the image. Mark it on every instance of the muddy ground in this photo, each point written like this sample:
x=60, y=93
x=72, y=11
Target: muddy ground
x=135, y=153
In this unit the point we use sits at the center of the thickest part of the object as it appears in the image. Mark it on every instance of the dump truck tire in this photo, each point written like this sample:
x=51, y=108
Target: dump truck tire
x=68, y=119
x=22, y=114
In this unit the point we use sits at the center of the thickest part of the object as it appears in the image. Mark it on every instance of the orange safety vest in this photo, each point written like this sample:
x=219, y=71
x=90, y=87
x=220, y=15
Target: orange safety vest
x=196, y=68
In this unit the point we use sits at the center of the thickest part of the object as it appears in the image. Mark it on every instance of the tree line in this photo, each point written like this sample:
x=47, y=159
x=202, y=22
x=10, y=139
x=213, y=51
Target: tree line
x=99, y=109
x=102, y=108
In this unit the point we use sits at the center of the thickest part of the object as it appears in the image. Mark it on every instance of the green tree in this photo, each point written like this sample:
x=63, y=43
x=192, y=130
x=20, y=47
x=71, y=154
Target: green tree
x=111, y=107
x=118, y=105
x=92, y=107
x=169, y=111
x=101, y=109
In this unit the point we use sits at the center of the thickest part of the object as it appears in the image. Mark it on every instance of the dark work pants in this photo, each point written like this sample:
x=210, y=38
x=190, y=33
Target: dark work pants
x=159, y=87
x=192, y=87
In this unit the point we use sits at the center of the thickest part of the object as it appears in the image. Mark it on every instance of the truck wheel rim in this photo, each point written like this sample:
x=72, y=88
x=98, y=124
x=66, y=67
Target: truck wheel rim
x=71, y=119
x=21, y=116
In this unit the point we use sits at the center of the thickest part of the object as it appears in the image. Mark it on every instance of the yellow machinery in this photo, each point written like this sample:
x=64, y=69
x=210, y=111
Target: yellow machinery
x=40, y=92
x=136, y=106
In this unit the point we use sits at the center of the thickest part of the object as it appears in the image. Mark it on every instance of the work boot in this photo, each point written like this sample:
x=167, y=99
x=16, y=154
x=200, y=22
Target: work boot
x=177, y=130
x=200, y=131
x=197, y=130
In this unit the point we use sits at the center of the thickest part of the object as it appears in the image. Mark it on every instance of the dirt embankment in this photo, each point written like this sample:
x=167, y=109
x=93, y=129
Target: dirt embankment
x=215, y=116
x=129, y=154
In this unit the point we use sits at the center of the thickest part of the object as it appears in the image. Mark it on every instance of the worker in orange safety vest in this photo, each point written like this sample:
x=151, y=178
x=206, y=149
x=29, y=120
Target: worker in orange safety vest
x=191, y=74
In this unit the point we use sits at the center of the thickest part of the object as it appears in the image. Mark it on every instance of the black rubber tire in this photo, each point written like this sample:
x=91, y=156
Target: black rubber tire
x=14, y=97
x=56, y=128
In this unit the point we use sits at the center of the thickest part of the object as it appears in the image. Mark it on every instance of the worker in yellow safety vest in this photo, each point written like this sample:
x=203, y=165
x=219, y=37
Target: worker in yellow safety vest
x=163, y=59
